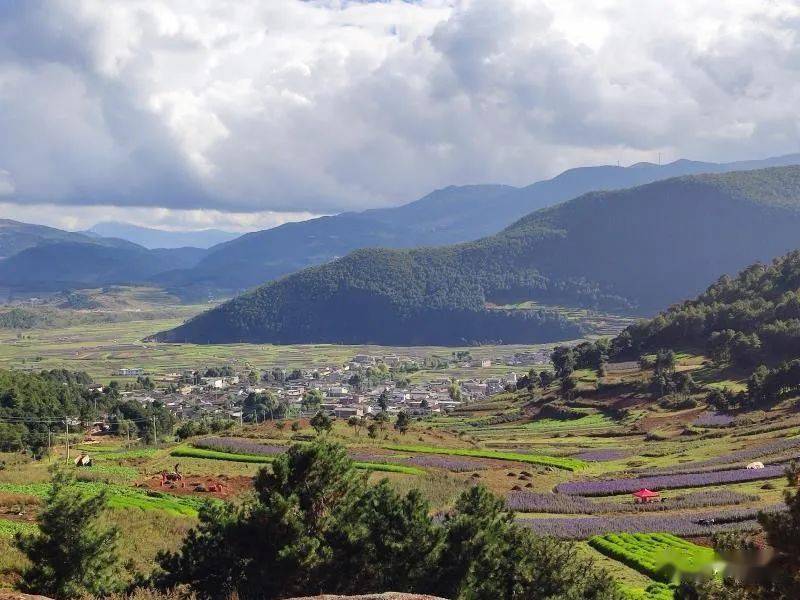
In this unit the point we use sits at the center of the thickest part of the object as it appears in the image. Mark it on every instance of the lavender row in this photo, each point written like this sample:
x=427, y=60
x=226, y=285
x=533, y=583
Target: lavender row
x=738, y=456
x=535, y=502
x=374, y=457
x=610, y=487
x=712, y=419
x=603, y=455
x=457, y=465
x=696, y=524
x=238, y=446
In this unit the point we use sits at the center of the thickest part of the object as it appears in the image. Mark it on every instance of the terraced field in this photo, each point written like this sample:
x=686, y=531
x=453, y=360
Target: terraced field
x=571, y=478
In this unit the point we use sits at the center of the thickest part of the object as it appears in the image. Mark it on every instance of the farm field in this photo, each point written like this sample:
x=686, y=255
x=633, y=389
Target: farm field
x=566, y=466
x=110, y=336
x=533, y=470
x=102, y=348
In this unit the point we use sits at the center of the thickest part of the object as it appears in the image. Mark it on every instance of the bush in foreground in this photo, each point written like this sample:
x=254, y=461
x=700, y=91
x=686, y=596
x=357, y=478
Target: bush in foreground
x=317, y=526
x=71, y=555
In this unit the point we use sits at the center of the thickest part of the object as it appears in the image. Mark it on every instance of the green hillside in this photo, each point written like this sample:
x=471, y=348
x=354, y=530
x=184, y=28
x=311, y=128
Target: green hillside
x=748, y=325
x=64, y=265
x=752, y=317
x=639, y=250
x=16, y=237
x=450, y=215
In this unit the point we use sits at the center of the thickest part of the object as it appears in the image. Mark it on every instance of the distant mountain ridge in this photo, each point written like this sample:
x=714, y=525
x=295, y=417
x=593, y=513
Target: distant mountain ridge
x=450, y=215
x=52, y=267
x=638, y=249
x=159, y=238
x=16, y=237
x=446, y=216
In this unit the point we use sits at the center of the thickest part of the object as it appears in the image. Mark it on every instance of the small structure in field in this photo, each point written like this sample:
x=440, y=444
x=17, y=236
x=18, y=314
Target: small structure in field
x=84, y=460
x=644, y=495
x=755, y=465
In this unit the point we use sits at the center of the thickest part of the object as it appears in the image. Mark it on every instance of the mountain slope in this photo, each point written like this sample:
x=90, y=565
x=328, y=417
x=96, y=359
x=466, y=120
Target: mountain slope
x=63, y=265
x=446, y=216
x=748, y=319
x=641, y=248
x=16, y=237
x=159, y=238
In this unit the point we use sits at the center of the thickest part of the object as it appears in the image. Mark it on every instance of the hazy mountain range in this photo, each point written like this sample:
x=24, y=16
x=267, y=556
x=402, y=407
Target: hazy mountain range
x=46, y=259
x=450, y=215
x=637, y=249
x=160, y=238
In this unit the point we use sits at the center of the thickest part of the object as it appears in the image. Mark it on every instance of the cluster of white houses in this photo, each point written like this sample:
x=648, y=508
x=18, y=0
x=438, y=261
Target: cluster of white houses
x=188, y=394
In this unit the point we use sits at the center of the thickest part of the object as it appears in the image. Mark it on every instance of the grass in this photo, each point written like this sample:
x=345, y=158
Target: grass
x=104, y=347
x=187, y=452
x=9, y=529
x=119, y=497
x=389, y=468
x=593, y=421
x=658, y=555
x=568, y=464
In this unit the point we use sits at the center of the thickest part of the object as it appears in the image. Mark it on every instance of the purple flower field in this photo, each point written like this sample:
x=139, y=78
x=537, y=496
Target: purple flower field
x=239, y=446
x=535, y=502
x=603, y=455
x=610, y=487
x=712, y=419
x=695, y=524
x=373, y=457
x=457, y=465
x=732, y=459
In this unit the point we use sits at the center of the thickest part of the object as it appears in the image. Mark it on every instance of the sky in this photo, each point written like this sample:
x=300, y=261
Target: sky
x=246, y=114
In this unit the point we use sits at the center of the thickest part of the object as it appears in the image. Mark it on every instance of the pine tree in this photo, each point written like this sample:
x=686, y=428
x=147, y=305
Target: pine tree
x=71, y=555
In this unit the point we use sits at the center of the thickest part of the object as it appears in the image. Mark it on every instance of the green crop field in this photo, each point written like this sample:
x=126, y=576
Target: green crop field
x=118, y=497
x=568, y=464
x=186, y=452
x=102, y=348
x=500, y=442
x=657, y=555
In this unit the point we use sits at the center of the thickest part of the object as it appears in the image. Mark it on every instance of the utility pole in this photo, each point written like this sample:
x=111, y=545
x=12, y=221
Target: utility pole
x=155, y=433
x=49, y=449
x=66, y=437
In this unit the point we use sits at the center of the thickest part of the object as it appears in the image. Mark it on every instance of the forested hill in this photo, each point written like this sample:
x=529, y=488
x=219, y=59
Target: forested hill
x=16, y=237
x=639, y=249
x=447, y=216
x=748, y=319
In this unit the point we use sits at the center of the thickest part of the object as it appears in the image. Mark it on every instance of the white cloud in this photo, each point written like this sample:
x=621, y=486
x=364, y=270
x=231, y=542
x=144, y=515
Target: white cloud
x=79, y=218
x=328, y=105
x=6, y=185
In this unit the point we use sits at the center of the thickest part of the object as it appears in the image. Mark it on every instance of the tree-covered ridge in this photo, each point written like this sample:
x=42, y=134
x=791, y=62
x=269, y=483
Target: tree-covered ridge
x=749, y=318
x=751, y=321
x=446, y=216
x=36, y=406
x=636, y=249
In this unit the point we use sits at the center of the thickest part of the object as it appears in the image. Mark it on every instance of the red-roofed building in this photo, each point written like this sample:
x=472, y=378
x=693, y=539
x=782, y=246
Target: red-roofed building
x=645, y=495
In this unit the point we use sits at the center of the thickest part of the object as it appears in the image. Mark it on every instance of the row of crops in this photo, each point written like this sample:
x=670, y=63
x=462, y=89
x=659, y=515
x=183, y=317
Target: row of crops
x=240, y=449
x=700, y=523
x=119, y=496
x=542, y=502
x=204, y=453
x=660, y=556
x=566, y=463
x=610, y=487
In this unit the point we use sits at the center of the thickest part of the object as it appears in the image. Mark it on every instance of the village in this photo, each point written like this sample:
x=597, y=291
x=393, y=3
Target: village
x=365, y=385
